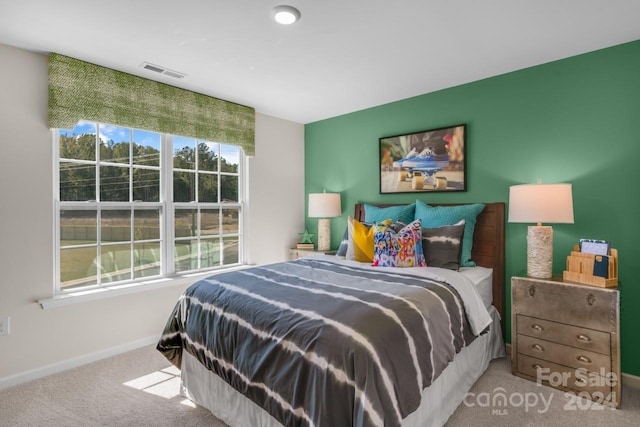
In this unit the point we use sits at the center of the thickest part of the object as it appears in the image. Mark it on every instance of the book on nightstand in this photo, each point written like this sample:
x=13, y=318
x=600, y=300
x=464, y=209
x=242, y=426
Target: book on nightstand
x=307, y=246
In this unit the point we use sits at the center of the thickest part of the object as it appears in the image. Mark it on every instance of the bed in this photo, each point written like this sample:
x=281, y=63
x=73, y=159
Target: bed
x=323, y=341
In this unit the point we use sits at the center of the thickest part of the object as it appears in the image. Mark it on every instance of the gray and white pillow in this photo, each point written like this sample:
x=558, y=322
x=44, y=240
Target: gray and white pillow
x=344, y=243
x=442, y=245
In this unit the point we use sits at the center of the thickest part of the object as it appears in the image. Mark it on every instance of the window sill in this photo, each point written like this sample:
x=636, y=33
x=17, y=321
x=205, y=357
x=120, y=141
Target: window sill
x=79, y=296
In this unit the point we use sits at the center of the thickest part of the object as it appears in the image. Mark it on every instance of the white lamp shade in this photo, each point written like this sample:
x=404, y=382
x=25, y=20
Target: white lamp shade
x=324, y=205
x=538, y=203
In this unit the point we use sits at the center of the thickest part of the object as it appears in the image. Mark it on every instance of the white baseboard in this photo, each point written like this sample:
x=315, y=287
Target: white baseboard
x=631, y=380
x=75, y=362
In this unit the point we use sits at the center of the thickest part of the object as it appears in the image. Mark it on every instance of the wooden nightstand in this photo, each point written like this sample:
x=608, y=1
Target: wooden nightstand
x=295, y=253
x=566, y=335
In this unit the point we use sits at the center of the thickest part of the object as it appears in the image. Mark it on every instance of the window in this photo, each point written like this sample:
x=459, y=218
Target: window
x=133, y=205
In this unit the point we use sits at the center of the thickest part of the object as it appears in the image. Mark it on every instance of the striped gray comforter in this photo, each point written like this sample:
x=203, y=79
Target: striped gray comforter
x=320, y=343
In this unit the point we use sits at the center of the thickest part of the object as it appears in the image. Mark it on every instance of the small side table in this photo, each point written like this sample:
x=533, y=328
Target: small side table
x=295, y=253
x=566, y=335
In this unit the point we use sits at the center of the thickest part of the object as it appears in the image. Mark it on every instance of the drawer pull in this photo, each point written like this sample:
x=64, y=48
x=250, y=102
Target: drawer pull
x=583, y=338
x=536, y=366
x=532, y=290
x=537, y=328
x=583, y=359
x=537, y=347
x=591, y=298
x=581, y=382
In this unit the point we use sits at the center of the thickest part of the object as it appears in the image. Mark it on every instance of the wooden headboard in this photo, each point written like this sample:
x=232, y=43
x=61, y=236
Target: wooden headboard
x=488, y=246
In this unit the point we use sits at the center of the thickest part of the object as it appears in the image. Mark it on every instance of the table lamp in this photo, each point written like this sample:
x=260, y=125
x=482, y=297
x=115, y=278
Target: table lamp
x=324, y=206
x=538, y=203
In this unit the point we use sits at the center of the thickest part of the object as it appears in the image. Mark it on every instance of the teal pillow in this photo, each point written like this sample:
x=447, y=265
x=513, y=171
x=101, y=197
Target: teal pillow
x=402, y=213
x=438, y=216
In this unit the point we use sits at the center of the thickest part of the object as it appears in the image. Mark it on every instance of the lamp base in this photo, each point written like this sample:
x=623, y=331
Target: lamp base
x=540, y=251
x=324, y=234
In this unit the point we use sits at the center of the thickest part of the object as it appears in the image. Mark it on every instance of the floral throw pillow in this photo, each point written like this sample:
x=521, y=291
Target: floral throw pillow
x=398, y=249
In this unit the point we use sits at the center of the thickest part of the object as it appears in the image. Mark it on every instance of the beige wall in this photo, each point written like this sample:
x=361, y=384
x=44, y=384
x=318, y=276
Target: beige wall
x=276, y=189
x=46, y=341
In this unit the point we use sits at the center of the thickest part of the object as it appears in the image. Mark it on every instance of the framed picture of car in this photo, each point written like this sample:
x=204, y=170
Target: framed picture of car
x=432, y=160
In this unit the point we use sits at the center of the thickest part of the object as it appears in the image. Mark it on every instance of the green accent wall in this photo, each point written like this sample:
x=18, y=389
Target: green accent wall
x=575, y=120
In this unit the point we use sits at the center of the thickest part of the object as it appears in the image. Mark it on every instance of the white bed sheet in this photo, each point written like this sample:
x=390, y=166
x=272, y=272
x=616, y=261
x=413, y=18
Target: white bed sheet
x=482, y=277
x=439, y=400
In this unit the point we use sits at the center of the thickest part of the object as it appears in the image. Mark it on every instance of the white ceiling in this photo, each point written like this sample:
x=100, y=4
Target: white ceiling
x=342, y=56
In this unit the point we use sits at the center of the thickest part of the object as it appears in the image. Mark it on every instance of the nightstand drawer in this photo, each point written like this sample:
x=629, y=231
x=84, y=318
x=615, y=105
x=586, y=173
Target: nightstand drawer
x=295, y=253
x=563, y=355
x=592, y=307
x=601, y=389
x=573, y=336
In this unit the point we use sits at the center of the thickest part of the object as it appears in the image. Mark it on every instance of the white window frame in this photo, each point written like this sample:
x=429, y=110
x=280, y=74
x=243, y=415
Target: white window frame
x=167, y=231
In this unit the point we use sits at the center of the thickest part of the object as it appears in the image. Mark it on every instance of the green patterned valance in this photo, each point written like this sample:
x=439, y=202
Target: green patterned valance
x=80, y=90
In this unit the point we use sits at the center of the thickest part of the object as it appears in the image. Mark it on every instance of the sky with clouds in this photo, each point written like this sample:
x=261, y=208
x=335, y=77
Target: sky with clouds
x=150, y=139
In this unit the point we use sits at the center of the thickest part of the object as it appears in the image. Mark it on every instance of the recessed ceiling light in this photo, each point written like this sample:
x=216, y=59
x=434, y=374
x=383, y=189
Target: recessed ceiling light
x=286, y=15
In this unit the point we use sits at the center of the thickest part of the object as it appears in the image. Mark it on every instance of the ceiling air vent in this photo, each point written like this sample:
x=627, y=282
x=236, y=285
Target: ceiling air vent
x=161, y=70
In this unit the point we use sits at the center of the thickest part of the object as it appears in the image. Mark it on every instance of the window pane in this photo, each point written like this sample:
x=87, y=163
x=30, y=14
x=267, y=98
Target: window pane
x=210, y=222
x=78, y=227
x=146, y=148
x=230, y=158
x=78, y=267
x=208, y=156
x=147, y=258
x=186, y=255
x=184, y=187
x=207, y=188
x=116, y=226
x=209, y=253
x=146, y=224
x=231, y=255
x=115, y=263
x=114, y=184
x=77, y=182
x=186, y=222
x=230, y=224
x=131, y=244
x=229, y=188
x=79, y=143
x=146, y=185
x=114, y=144
x=184, y=153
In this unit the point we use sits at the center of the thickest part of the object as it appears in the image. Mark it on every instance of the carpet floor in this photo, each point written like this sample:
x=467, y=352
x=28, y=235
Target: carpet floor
x=140, y=388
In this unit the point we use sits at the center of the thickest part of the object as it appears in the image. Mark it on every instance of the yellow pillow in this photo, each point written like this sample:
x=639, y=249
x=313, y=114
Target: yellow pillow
x=361, y=240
